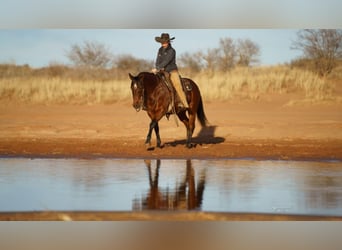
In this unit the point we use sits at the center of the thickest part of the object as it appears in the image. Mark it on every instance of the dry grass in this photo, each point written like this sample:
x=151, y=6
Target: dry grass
x=57, y=90
x=250, y=83
x=241, y=83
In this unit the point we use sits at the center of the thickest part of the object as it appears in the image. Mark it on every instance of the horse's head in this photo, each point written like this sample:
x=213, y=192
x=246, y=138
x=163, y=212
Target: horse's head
x=137, y=89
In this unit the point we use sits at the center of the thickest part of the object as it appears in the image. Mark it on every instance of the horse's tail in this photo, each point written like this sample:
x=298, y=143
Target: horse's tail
x=201, y=115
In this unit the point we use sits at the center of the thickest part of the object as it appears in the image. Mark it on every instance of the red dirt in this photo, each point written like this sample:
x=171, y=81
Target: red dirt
x=262, y=130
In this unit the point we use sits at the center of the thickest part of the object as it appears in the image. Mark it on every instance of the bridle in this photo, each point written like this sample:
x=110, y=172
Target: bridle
x=138, y=86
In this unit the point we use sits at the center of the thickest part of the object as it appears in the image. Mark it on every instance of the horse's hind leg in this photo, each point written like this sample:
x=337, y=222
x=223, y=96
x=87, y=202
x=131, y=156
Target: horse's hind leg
x=189, y=127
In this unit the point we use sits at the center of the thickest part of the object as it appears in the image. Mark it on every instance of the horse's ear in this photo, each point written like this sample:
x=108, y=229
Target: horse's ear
x=131, y=76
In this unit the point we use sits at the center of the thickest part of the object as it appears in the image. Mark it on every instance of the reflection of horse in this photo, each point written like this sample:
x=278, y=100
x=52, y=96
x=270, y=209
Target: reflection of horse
x=185, y=196
x=150, y=92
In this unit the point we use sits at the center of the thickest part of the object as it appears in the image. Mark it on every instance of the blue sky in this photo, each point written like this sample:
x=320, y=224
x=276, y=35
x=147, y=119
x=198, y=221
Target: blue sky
x=40, y=47
x=38, y=32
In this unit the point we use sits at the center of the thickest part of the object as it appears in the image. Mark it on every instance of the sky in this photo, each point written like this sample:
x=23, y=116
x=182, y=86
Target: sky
x=40, y=32
x=170, y=14
x=41, y=47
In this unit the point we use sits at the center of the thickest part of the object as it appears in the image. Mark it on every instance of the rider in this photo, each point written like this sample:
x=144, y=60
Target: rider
x=166, y=60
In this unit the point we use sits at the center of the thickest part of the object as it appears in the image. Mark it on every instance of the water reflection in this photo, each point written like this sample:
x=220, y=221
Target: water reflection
x=186, y=194
x=325, y=189
x=137, y=184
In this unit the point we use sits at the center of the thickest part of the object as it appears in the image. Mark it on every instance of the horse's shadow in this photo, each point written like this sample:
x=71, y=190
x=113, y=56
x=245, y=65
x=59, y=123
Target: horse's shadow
x=205, y=136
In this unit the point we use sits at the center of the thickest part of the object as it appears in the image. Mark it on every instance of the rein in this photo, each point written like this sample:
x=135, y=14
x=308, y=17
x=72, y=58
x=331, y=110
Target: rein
x=143, y=98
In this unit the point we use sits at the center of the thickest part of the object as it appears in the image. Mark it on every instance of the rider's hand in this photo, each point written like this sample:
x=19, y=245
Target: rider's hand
x=154, y=71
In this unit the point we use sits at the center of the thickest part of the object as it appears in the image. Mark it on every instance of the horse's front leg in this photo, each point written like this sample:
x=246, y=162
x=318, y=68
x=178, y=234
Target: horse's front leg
x=153, y=125
x=149, y=134
x=156, y=130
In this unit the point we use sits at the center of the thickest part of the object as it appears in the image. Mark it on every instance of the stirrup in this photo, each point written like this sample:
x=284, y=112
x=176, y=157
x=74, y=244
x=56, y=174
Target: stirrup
x=181, y=108
x=170, y=111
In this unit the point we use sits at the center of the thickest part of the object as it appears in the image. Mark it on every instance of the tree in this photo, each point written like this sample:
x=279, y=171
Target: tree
x=126, y=62
x=322, y=46
x=224, y=57
x=90, y=54
x=227, y=54
x=211, y=59
x=191, y=61
x=248, y=52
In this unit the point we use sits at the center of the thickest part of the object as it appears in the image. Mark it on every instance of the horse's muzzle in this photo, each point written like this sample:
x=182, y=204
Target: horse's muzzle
x=137, y=106
x=138, y=103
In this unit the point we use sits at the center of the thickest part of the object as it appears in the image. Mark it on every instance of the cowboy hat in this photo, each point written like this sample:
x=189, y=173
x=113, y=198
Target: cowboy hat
x=164, y=38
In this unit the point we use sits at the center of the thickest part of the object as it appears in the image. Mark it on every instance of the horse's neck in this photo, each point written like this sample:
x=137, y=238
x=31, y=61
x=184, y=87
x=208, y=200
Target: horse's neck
x=150, y=84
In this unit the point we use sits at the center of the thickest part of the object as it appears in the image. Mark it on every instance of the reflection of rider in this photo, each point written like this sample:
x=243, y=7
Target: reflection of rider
x=166, y=60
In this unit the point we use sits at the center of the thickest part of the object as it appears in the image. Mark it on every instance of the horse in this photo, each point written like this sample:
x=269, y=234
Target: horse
x=186, y=194
x=151, y=93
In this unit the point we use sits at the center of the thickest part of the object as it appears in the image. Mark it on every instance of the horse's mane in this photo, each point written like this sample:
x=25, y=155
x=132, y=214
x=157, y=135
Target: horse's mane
x=148, y=77
x=144, y=73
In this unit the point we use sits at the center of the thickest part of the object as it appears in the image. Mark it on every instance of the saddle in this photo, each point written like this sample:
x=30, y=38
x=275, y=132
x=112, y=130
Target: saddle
x=186, y=86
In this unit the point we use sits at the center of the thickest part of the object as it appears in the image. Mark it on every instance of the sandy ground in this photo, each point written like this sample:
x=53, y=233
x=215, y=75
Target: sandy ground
x=267, y=129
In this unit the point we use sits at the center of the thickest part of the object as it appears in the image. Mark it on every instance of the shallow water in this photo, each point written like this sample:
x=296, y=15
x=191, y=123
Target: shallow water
x=289, y=187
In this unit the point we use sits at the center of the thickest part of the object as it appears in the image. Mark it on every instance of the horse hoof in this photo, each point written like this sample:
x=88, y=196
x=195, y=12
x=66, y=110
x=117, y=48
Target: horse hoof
x=148, y=145
x=189, y=145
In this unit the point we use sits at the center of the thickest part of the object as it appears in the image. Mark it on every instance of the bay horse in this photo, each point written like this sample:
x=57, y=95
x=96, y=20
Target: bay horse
x=150, y=92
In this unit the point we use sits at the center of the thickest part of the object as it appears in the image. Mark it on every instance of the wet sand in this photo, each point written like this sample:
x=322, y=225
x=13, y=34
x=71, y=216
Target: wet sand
x=272, y=149
x=158, y=216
